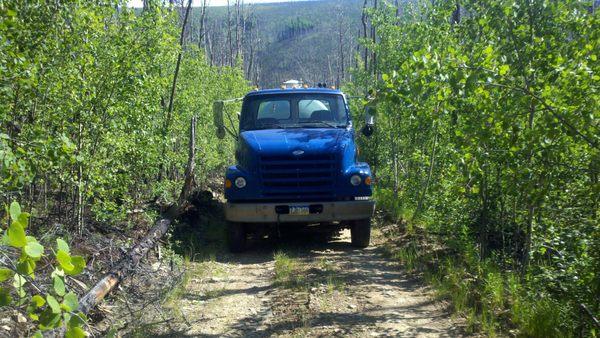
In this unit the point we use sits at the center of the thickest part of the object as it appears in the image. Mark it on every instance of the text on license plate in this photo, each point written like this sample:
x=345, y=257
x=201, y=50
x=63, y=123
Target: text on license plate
x=299, y=210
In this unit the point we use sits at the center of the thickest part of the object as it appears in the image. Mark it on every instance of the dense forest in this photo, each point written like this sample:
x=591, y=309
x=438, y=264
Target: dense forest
x=488, y=141
x=91, y=130
x=486, y=150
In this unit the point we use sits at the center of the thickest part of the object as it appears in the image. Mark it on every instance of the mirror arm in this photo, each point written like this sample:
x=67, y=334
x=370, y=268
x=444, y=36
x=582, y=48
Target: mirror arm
x=233, y=132
x=220, y=124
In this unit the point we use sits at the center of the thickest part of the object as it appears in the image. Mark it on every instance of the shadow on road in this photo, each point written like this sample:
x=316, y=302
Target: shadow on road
x=375, y=296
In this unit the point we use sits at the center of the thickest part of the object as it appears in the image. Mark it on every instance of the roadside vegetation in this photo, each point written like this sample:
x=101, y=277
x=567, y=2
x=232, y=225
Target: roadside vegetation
x=89, y=138
x=487, y=155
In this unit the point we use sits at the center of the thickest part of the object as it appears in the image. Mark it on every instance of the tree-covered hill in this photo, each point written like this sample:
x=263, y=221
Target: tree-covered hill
x=314, y=41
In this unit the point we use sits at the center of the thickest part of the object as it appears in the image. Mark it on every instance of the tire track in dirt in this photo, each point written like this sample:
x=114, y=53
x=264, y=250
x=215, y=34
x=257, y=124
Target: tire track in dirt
x=333, y=290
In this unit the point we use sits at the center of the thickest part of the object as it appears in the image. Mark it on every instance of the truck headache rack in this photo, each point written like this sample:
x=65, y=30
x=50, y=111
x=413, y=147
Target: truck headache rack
x=306, y=177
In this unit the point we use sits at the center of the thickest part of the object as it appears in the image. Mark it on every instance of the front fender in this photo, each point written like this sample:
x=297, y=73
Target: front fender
x=346, y=189
x=250, y=191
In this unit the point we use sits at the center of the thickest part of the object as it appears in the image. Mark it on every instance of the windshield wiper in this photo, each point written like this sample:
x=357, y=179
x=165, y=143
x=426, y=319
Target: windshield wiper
x=331, y=125
x=270, y=126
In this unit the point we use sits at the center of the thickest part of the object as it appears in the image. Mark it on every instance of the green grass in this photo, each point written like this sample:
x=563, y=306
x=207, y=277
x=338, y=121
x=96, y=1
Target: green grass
x=287, y=271
x=292, y=273
x=490, y=300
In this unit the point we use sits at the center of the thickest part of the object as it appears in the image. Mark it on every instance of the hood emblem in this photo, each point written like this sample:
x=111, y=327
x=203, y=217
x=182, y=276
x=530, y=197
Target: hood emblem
x=298, y=152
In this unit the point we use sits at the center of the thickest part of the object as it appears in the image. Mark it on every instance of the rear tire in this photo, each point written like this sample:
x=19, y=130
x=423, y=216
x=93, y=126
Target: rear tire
x=361, y=233
x=236, y=236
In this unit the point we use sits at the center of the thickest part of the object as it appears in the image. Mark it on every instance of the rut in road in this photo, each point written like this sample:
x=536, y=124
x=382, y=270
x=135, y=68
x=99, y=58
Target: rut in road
x=316, y=290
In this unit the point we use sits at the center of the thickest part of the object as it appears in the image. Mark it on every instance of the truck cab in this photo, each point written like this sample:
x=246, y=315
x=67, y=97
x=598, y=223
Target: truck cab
x=296, y=167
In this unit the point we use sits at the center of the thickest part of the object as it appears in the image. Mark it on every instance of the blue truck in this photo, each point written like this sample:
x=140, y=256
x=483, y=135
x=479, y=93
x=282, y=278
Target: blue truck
x=296, y=166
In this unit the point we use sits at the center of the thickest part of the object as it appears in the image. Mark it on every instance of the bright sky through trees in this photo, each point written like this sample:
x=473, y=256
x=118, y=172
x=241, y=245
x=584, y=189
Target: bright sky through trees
x=138, y=3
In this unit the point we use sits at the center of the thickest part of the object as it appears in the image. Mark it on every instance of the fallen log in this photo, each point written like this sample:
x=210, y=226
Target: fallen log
x=125, y=266
x=121, y=270
x=131, y=260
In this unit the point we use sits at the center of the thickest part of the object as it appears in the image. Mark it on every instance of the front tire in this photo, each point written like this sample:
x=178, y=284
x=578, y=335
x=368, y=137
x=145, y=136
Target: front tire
x=236, y=236
x=361, y=233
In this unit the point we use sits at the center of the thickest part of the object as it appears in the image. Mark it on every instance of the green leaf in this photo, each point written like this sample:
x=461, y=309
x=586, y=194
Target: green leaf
x=38, y=301
x=19, y=281
x=70, y=302
x=59, y=286
x=488, y=50
x=62, y=245
x=53, y=303
x=37, y=334
x=49, y=319
x=16, y=235
x=75, y=332
x=34, y=249
x=5, y=274
x=26, y=267
x=23, y=219
x=77, y=319
x=15, y=211
x=503, y=70
x=64, y=260
x=78, y=265
x=5, y=298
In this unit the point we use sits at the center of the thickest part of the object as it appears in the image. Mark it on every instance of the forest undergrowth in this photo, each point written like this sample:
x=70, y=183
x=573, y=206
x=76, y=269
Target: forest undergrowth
x=487, y=152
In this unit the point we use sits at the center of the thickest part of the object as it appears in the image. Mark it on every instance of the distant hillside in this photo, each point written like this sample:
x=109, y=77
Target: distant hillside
x=310, y=40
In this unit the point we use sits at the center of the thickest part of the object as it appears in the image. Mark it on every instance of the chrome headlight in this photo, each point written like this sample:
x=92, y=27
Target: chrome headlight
x=355, y=180
x=240, y=182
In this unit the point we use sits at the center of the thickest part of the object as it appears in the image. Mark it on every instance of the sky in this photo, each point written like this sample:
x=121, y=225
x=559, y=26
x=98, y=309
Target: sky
x=138, y=3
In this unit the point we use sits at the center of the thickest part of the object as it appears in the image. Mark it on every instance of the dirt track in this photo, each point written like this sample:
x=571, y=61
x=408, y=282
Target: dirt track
x=333, y=290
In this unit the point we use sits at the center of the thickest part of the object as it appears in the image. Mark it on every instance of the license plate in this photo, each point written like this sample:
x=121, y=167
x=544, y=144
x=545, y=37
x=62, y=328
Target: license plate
x=299, y=210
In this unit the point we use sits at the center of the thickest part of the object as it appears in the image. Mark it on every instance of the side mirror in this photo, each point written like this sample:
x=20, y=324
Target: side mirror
x=368, y=130
x=369, y=127
x=218, y=118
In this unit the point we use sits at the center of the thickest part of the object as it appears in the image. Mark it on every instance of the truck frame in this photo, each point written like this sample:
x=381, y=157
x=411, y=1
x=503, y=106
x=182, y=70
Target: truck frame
x=296, y=167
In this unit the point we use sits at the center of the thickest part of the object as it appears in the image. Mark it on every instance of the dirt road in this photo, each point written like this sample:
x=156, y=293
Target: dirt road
x=300, y=289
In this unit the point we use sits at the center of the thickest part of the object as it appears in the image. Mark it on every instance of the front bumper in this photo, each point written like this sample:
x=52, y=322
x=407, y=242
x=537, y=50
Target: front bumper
x=331, y=212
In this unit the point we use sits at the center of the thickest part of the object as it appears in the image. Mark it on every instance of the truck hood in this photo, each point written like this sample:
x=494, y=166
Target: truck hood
x=285, y=141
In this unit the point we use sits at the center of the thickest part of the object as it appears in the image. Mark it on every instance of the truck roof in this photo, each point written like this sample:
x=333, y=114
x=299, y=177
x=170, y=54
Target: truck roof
x=295, y=91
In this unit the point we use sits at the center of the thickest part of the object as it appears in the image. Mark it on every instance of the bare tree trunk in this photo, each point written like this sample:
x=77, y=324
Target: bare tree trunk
x=202, y=24
x=124, y=268
x=430, y=173
x=80, y=181
x=179, y=56
x=250, y=60
x=363, y=19
x=209, y=50
x=341, y=71
x=238, y=30
x=229, y=37
x=174, y=84
x=190, y=181
x=374, y=39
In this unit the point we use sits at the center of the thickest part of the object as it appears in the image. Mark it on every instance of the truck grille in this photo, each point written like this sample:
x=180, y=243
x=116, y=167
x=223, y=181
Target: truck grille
x=307, y=177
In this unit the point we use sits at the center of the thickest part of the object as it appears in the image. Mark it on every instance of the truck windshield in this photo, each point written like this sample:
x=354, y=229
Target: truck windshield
x=294, y=111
